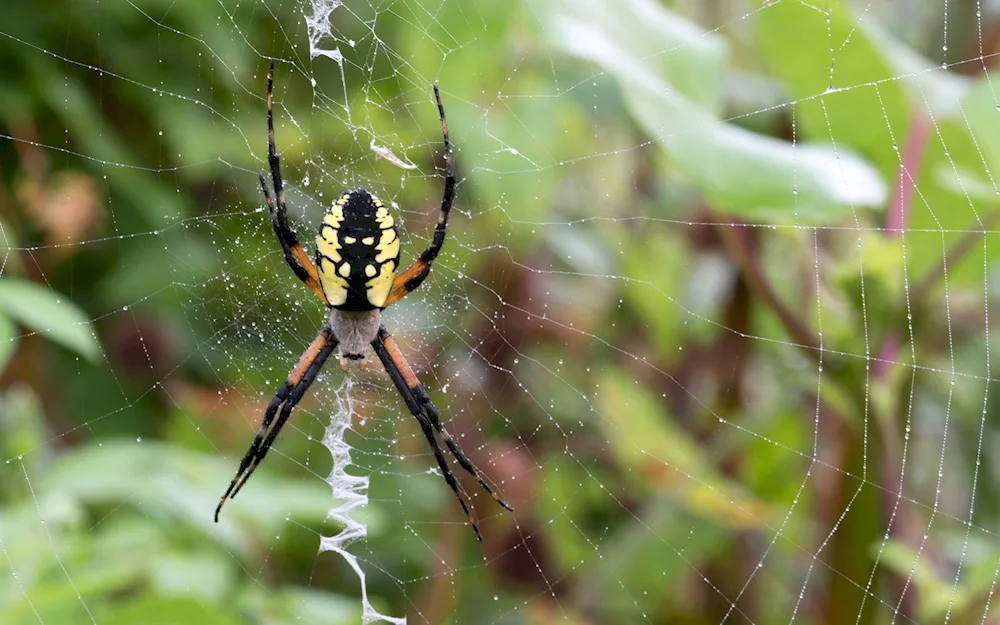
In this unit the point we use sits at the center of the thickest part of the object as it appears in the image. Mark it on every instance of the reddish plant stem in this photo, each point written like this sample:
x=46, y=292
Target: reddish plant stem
x=898, y=215
x=896, y=221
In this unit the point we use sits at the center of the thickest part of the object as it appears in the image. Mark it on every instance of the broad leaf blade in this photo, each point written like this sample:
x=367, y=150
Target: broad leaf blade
x=739, y=171
x=50, y=314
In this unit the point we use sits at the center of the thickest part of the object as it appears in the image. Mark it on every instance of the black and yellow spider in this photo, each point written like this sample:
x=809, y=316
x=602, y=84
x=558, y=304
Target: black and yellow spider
x=357, y=254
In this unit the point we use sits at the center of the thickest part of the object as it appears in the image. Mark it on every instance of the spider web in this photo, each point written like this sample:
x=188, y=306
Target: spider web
x=712, y=314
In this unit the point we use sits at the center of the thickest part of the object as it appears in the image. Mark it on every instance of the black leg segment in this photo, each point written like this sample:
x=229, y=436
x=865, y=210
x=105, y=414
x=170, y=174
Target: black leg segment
x=288, y=395
x=420, y=406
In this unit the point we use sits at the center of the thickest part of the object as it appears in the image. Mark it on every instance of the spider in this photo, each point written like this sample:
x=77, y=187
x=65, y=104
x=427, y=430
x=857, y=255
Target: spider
x=357, y=254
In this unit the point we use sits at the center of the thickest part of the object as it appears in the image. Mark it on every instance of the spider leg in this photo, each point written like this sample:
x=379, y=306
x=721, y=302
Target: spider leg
x=425, y=425
x=424, y=399
x=415, y=274
x=295, y=255
x=288, y=395
x=452, y=444
x=419, y=404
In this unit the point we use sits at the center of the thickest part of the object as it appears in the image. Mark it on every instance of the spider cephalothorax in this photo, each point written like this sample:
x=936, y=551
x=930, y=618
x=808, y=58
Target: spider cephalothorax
x=355, y=274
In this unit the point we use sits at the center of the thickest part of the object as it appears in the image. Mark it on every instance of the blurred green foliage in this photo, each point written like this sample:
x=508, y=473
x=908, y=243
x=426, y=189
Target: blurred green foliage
x=725, y=268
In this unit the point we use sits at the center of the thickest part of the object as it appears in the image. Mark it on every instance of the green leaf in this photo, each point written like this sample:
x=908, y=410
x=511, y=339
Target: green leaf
x=8, y=340
x=839, y=102
x=169, y=611
x=937, y=593
x=649, y=288
x=49, y=313
x=170, y=483
x=617, y=583
x=646, y=441
x=884, y=100
x=755, y=176
x=297, y=605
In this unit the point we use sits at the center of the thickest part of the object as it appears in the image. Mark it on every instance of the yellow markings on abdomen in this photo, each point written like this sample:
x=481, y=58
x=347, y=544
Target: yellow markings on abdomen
x=388, y=246
x=357, y=251
x=386, y=252
x=328, y=239
x=328, y=248
x=379, y=285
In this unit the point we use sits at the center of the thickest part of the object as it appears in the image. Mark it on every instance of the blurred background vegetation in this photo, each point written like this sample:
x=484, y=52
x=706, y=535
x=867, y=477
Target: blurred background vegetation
x=714, y=311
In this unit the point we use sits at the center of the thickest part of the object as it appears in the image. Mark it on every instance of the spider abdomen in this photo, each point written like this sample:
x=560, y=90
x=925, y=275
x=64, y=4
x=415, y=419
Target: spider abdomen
x=357, y=252
x=355, y=331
